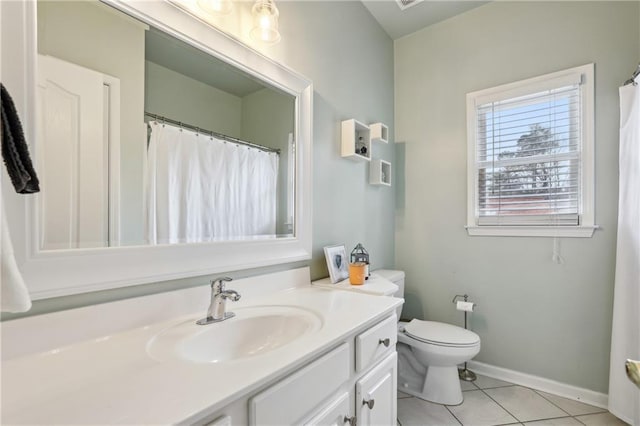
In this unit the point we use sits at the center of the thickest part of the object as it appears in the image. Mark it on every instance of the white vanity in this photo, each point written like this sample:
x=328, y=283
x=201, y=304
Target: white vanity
x=134, y=361
x=292, y=354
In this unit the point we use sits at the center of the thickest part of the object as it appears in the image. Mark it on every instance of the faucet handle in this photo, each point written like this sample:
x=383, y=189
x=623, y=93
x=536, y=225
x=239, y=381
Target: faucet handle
x=217, y=284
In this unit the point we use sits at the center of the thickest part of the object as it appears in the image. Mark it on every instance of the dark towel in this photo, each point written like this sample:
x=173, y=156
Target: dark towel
x=15, y=151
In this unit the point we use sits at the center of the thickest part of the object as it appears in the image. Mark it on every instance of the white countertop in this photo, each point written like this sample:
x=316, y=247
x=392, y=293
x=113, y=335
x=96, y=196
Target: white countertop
x=111, y=379
x=375, y=284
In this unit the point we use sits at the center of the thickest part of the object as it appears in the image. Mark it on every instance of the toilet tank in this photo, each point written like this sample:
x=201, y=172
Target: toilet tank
x=396, y=277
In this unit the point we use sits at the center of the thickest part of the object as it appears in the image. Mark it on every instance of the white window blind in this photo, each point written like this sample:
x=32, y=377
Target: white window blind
x=528, y=155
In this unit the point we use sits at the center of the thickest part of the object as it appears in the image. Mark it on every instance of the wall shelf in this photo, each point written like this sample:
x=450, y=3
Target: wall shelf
x=380, y=172
x=356, y=141
x=379, y=132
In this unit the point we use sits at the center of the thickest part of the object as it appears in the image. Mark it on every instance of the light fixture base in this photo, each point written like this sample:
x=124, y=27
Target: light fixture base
x=405, y=4
x=216, y=7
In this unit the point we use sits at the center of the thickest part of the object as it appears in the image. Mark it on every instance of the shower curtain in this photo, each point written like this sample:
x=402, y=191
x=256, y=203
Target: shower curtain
x=624, y=397
x=200, y=188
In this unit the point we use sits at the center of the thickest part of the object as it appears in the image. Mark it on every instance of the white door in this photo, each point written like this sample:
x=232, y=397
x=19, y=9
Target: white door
x=73, y=156
x=376, y=394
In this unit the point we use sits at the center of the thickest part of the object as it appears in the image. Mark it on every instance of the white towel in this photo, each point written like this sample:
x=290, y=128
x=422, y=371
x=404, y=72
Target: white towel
x=14, y=296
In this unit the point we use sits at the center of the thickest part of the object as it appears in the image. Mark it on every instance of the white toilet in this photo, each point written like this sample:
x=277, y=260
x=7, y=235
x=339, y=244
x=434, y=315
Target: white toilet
x=429, y=353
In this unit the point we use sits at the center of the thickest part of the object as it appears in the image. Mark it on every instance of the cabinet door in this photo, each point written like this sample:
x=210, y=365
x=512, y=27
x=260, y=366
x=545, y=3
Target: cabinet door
x=376, y=402
x=297, y=396
x=336, y=413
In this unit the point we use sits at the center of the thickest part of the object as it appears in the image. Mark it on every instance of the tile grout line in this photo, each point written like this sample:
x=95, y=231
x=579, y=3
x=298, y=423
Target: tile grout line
x=518, y=421
x=572, y=415
x=535, y=420
x=499, y=405
x=454, y=416
x=579, y=421
x=451, y=412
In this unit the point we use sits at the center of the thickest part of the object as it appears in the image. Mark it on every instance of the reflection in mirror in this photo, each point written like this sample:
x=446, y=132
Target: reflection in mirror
x=144, y=137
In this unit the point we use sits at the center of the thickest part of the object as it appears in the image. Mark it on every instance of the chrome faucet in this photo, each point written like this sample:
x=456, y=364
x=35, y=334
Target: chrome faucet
x=217, y=308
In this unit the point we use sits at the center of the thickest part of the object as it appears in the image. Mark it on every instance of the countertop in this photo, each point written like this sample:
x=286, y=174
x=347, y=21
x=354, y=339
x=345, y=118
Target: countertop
x=112, y=379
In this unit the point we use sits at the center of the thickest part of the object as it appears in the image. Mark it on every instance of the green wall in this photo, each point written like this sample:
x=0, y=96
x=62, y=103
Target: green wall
x=176, y=96
x=533, y=315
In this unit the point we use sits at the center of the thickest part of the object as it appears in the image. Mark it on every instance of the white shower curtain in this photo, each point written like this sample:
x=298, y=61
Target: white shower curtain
x=624, y=397
x=201, y=188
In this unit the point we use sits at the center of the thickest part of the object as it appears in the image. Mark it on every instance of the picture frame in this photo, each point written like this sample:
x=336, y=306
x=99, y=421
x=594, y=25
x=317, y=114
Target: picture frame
x=337, y=262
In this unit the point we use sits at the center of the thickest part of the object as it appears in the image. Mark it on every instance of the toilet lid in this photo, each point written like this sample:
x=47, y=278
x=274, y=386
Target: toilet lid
x=441, y=333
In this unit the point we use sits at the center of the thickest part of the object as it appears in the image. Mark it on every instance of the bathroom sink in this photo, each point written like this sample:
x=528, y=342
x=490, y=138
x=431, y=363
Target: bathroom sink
x=253, y=331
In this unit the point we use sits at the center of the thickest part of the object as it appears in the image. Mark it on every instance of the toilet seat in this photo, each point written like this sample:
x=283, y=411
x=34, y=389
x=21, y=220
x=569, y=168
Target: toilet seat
x=441, y=334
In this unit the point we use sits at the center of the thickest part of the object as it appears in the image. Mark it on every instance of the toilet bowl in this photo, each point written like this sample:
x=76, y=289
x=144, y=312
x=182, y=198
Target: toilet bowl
x=434, y=351
x=429, y=353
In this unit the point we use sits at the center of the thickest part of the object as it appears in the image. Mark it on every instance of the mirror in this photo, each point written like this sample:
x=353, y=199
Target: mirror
x=55, y=262
x=214, y=165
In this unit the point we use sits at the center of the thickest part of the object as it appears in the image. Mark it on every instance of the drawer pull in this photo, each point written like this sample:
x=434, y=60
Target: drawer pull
x=370, y=403
x=385, y=342
x=353, y=421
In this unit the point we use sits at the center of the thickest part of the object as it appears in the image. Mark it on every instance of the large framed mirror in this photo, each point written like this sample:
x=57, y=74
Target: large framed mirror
x=165, y=149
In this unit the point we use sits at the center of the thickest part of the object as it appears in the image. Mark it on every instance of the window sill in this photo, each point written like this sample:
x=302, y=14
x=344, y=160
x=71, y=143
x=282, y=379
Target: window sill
x=532, y=231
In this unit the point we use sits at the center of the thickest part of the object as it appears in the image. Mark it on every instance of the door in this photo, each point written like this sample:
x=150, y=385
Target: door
x=73, y=157
x=376, y=402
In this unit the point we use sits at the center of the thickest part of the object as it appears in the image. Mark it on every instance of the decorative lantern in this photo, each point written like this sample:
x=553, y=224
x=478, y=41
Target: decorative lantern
x=359, y=254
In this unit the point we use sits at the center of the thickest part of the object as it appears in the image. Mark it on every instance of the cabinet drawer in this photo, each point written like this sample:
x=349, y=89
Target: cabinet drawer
x=289, y=400
x=370, y=345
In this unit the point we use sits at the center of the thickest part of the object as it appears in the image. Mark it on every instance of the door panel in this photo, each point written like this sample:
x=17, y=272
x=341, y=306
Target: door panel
x=376, y=394
x=74, y=156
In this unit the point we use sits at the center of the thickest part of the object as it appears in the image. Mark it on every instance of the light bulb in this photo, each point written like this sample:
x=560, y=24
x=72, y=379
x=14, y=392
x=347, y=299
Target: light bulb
x=265, y=22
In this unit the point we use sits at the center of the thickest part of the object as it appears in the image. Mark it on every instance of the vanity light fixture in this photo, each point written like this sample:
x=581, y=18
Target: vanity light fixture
x=265, y=22
x=216, y=7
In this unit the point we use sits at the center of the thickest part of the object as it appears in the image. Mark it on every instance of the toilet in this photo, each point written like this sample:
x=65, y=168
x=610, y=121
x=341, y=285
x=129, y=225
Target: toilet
x=429, y=353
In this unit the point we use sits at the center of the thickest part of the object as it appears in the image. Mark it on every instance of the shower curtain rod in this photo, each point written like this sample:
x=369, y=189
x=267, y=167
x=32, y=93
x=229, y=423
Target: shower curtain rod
x=210, y=132
x=632, y=80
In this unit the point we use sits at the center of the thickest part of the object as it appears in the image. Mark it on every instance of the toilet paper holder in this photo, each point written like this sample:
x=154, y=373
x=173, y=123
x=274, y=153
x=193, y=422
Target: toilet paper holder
x=466, y=299
x=465, y=373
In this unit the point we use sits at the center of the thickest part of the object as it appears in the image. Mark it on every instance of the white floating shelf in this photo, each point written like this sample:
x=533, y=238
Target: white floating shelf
x=379, y=132
x=356, y=141
x=380, y=172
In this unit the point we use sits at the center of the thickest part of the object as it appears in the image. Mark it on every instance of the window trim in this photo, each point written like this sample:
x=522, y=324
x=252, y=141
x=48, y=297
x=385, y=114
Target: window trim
x=586, y=225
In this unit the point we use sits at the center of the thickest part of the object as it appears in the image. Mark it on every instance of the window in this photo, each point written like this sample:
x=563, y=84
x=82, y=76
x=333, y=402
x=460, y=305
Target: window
x=530, y=167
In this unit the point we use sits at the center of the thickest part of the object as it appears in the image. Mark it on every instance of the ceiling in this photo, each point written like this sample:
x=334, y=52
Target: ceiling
x=182, y=58
x=398, y=23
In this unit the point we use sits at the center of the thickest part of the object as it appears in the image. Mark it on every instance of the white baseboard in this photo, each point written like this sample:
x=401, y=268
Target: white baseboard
x=542, y=384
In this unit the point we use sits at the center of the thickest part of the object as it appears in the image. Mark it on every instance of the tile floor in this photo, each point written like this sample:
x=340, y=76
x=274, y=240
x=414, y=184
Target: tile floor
x=490, y=402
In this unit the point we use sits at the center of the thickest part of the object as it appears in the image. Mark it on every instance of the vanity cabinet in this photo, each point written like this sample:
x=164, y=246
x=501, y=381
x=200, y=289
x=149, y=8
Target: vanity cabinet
x=312, y=378
x=353, y=383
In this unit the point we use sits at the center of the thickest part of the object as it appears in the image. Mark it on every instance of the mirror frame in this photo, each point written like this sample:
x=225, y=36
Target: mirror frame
x=66, y=272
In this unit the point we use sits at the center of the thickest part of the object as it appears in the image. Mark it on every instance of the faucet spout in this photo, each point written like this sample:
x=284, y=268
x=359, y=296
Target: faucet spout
x=217, y=308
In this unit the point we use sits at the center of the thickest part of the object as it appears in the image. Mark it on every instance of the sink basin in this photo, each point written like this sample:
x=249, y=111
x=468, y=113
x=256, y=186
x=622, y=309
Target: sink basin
x=253, y=331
